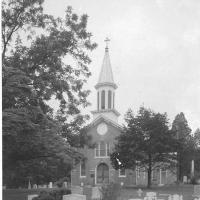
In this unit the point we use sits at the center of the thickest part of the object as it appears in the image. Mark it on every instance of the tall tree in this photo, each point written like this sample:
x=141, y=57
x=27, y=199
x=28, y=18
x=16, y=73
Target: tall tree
x=52, y=64
x=185, y=147
x=197, y=137
x=197, y=153
x=146, y=142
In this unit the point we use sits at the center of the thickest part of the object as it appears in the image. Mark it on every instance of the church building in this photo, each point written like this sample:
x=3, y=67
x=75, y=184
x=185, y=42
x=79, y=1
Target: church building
x=96, y=169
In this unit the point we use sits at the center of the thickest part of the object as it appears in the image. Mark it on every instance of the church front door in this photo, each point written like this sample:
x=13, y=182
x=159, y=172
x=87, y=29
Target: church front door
x=102, y=173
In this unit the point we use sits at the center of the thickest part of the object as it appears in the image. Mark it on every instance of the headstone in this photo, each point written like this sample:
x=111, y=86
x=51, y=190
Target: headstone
x=150, y=196
x=175, y=197
x=29, y=184
x=192, y=168
x=50, y=185
x=65, y=184
x=96, y=194
x=31, y=196
x=184, y=179
x=74, y=197
x=35, y=186
x=139, y=192
x=76, y=190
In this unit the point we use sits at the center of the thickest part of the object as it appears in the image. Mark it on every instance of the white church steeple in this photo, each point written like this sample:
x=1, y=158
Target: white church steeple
x=106, y=90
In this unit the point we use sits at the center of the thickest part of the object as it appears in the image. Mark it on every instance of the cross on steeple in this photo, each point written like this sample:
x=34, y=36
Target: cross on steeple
x=107, y=40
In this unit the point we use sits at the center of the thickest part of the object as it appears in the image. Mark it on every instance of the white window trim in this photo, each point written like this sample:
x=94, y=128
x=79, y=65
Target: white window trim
x=120, y=173
x=106, y=156
x=80, y=172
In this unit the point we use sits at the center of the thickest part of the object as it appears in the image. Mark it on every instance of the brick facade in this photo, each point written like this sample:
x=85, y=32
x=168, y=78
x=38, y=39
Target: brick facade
x=104, y=129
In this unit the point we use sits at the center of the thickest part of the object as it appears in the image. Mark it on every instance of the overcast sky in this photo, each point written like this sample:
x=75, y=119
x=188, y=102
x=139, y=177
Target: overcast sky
x=154, y=51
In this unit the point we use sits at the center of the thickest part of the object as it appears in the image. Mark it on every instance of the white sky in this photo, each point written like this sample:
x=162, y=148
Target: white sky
x=154, y=51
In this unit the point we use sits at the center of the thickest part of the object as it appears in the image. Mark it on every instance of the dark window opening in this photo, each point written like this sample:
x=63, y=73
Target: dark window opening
x=109, y=99
x=103, y=99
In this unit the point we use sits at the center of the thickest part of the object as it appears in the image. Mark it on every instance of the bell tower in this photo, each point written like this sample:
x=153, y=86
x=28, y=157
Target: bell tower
x=106, y=90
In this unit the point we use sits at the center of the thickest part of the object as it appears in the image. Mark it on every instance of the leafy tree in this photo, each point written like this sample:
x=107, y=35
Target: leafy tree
x=197, y=152
x=185, y=146
x=53, y=64
x=146, y=142
x=197, y=138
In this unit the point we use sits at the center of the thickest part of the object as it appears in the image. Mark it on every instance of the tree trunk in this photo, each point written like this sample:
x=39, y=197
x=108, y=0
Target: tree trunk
x=149, y=173
x=177, y=168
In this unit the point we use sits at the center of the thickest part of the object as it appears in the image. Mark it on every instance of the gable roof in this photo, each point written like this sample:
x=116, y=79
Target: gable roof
x=101, y=118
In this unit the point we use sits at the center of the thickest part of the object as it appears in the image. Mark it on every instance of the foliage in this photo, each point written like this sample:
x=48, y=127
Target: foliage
x=56, y=194
x=197, y=138
x=146, y=142
x=185, y=148
x=197, y=152
x=110, y=191
x=61, y=181
x=53, y=65
x=39, y=171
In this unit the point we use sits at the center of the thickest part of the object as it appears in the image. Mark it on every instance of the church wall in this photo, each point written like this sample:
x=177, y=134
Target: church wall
x=131, y=178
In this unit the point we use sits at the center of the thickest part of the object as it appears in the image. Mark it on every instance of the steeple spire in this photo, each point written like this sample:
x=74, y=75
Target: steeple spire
x=106, y=41
x=106, y=90
x=106, y=74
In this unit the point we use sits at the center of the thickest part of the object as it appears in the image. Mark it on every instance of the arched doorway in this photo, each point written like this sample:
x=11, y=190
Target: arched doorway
x=102, y=173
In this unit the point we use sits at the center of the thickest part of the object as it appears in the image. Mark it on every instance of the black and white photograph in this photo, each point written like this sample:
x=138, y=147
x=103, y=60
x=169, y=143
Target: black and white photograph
x=100, y=99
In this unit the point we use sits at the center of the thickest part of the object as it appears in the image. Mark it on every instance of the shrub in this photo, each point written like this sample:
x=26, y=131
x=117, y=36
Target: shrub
x=193, y=181
x=110, y=191
x=56, y=194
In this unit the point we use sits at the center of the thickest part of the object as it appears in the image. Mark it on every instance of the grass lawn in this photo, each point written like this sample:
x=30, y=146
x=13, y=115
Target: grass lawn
x=19, y=194
x=126, y=193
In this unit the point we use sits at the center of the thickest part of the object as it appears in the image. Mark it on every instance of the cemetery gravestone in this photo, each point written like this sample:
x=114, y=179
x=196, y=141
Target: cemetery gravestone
x=31, y=196
x=65, y=184
x=184, y=179
x=74, y=197
x=150, y=196
x=29, y=185
x=139, y=192
x=50, y=185
x=175, y=197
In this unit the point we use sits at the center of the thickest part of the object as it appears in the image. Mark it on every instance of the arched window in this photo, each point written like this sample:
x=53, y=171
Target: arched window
x=97, y=100
x=109, y=99
x=103, y=99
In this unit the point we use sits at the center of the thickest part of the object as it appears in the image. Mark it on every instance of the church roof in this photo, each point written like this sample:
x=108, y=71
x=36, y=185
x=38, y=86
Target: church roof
x=105, y=119
x=106, y=74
